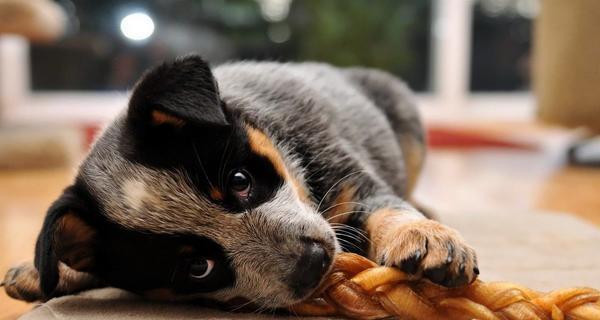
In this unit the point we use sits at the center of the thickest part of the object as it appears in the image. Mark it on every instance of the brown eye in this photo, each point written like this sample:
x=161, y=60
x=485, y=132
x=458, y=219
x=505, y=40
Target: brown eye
x=201, y=268
x=240, y=183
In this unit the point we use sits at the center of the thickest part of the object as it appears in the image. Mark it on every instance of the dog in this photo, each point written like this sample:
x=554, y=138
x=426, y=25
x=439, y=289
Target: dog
x=243, y=182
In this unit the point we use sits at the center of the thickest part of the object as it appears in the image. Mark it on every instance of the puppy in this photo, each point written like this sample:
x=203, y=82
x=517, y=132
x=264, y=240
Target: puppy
x=244, y=182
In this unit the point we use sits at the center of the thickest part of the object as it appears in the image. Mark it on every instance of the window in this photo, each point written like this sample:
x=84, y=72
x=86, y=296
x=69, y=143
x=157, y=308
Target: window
x=501, y=41
x=463, y=57
x=103, y=52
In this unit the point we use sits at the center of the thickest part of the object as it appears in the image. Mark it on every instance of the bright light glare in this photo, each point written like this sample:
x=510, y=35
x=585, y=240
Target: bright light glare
x=137, y=26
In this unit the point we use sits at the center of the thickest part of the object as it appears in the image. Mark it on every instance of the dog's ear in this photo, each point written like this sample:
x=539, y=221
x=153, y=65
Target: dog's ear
x=177, y=94
x=65, y=237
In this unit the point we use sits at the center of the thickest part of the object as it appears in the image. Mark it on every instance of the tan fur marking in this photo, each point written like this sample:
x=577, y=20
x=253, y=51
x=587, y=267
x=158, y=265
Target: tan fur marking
x=159, y=117
x=262, y=145
x=216, y=194
x=73, y=239
x=342, y=206
x=135, y=193
x=413, y=153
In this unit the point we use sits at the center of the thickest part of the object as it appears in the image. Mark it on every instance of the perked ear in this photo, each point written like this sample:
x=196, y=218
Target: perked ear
x=65, y=237
x=179, y=93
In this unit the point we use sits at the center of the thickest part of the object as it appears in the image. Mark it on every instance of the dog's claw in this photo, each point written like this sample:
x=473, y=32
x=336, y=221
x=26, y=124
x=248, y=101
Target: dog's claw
x=411, y=264
x=437, y=274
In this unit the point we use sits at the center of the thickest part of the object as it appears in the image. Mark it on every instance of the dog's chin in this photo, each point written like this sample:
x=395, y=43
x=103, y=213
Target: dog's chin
x=284, y=299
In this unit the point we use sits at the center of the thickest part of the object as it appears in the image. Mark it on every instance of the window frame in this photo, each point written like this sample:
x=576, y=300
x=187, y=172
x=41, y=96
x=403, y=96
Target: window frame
x=449, y=99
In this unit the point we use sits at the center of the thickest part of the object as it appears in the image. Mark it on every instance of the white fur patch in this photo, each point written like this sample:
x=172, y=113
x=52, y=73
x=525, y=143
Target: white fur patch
x=134, y=193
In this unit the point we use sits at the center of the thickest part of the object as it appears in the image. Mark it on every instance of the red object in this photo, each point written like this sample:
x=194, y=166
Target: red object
x=90, y=133
x=464, y=139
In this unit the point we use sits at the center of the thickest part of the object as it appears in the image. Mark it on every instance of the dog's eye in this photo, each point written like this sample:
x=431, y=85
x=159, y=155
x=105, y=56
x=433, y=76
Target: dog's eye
x=200, y=268
x=240, y=183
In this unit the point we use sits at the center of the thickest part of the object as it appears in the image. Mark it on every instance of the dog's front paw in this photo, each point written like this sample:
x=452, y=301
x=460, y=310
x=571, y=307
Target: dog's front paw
x=429, y=249
x=22, y=283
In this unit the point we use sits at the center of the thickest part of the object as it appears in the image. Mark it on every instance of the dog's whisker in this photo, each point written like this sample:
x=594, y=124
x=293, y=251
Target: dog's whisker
x=293, y=312
x=341, y=204
x=359, y=232
x=223, y=161
x=348, y=243
x=349, y=229
x=335, y=184
x=243, y=305
x=345, y=213
x=353, y=233
x=189, y=179
x=310, y=176
x=318, y=170
x=262, y=308
x=315, y=157
x=201, y=165
x=350, y=235
x=343, y=225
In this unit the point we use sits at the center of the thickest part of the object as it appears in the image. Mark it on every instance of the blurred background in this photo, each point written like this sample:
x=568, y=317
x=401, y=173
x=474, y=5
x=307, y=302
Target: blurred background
x=507, y=89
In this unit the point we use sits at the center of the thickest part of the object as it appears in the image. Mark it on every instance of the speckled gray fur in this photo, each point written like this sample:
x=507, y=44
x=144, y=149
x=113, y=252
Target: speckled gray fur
x=335, y=127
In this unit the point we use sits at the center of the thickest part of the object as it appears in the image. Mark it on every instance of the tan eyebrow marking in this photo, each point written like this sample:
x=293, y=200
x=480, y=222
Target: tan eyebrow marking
x=263, y=146
x=159, y=117
x=76, y=238
x=216, y=194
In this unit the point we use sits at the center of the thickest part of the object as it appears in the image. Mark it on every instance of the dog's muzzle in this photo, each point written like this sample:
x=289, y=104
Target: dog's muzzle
x=311, y=267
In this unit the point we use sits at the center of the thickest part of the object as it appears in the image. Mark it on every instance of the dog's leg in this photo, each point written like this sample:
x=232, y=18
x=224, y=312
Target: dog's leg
x=399, y=235
x=23, y=283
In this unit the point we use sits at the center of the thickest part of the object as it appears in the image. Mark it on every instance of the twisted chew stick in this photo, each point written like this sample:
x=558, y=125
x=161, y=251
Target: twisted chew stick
x=358, y=288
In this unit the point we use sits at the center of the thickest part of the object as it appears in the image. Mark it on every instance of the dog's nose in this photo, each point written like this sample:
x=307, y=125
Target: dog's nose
x=310, y=268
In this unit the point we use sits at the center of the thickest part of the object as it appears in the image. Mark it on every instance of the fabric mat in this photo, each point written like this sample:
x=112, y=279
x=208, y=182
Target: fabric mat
x=544, y=251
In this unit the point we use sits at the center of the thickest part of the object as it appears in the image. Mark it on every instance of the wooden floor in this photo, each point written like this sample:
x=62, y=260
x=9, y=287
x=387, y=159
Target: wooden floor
x=454, y=180
x=24, y=198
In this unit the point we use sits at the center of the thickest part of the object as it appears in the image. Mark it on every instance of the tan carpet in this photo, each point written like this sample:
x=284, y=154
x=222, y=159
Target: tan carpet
x=541, y=250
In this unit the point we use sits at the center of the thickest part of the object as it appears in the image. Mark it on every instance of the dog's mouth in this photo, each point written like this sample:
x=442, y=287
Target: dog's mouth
x=304, y=282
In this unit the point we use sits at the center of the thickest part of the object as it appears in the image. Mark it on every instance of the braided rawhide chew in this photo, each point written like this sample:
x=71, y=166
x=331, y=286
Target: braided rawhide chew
x=358, y=288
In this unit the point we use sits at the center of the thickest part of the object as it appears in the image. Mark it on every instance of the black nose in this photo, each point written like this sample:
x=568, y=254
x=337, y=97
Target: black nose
x=310, y=268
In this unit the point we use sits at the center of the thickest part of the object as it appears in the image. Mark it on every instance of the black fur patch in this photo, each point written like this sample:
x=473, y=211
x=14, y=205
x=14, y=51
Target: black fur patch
x=184, y=88
x=127, y=259
x=46, y=259
x=139, y=261
x=207, y=149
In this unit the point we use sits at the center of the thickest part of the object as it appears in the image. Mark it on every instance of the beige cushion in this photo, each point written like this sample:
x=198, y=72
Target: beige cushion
x=566, y=69
x=541, y=250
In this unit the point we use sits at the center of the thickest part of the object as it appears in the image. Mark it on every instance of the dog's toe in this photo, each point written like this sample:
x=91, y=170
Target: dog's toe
x=428, y=249
x=22, y=283
x=411, y=264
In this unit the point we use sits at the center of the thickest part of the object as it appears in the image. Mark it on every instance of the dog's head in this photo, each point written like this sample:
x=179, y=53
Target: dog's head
x=182, y=198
